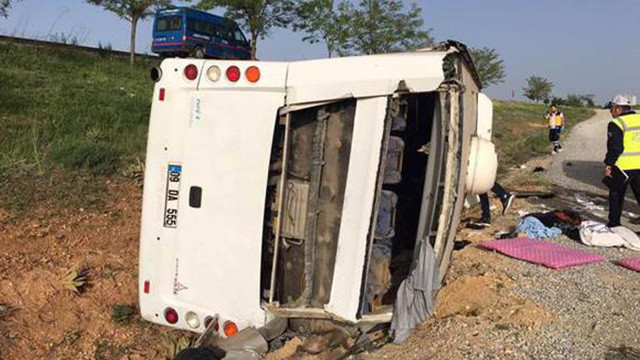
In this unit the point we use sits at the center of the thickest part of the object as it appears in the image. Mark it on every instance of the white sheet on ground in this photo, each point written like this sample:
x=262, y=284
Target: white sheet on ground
x=594, y=233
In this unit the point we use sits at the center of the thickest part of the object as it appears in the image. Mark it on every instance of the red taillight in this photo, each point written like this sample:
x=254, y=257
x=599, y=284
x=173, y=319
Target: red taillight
x=233, y=73
x=171, y=315
x=191, y=72
x=161, y=95
x=208, y=321
x=230, y=328
x=146, y=283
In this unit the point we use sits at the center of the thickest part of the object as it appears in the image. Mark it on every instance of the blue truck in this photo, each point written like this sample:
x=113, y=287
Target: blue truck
x=185, y=32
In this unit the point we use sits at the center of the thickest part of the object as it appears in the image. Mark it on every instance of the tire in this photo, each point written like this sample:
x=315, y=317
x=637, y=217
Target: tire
x=198, y=52
x=196, y=354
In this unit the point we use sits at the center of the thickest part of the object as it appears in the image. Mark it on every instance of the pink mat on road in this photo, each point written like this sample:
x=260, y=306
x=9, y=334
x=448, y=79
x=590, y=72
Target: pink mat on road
x=541, y=252
x=630, y=263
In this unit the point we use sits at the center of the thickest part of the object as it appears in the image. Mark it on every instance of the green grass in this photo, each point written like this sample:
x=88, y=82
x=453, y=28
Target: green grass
x=71, y=120
x=68, y=118
x=520, y=132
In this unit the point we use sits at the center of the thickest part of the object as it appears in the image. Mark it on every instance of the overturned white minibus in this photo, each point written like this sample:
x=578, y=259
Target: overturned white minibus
x=305, y=189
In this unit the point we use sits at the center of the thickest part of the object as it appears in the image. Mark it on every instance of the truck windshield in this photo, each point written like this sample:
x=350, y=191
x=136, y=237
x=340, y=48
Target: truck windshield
x=168, y=23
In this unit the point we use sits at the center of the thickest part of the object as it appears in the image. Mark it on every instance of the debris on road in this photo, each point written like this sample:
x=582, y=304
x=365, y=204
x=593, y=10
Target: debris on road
x=533, y=228
x=533, y=194
x=587, y=203
x=541, y=225
x=594, y=233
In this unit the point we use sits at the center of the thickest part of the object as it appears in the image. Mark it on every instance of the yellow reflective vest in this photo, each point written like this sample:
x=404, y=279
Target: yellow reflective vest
x=556, y=120
x=630, y=126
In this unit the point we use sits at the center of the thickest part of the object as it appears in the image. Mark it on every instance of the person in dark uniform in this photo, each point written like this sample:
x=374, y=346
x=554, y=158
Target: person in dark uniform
x=505, y=198
x=622, y=162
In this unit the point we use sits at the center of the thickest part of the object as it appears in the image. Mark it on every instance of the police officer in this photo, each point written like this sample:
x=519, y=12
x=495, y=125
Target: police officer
x=623, y=156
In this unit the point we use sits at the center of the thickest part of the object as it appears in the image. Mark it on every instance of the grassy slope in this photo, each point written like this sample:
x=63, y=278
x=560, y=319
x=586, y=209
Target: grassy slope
x=71, y=120
x=68, y=118
x=520, y=132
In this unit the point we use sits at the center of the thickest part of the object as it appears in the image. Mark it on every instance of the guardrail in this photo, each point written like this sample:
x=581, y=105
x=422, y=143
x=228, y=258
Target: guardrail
x=35, y=42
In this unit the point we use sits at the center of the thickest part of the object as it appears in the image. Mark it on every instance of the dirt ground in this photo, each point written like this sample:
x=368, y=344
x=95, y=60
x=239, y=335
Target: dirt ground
x=490, y=306
x=47, y=320
x=494, y=307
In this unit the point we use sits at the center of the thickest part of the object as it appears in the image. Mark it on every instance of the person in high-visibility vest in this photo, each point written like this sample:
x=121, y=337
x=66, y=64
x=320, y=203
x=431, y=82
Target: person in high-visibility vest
x=622, y=162
x=555, y=121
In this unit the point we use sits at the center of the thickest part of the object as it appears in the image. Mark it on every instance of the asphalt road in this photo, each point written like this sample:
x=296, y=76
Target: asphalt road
x=580, y=166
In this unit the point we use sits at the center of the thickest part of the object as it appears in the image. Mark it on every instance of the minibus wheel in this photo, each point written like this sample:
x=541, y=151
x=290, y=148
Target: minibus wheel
x=198, y=52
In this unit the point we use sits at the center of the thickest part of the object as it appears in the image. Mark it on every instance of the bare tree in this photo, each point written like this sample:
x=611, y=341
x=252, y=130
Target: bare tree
x=132, y=11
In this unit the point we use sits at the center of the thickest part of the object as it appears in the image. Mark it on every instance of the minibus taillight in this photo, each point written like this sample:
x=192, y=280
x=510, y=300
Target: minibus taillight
x=191, y=72
x=252, y=74
x=161, y=94
x=147, y=285
x=230, y=328
x=208, y=321
x=171, y=315
x=233, y=73
x=213, y=73
x=192, y=320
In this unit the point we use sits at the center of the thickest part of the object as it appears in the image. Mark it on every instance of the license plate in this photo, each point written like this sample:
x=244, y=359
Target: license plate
x=172, y=196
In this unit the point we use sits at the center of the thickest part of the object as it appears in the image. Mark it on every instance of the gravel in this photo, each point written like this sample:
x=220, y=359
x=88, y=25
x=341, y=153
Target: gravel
x=595, y=307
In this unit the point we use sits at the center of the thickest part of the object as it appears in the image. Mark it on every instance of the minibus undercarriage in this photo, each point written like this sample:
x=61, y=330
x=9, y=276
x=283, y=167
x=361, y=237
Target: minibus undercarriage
x=306, y=192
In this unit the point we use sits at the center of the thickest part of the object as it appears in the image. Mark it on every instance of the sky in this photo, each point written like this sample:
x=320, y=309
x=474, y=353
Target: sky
x=582, y=46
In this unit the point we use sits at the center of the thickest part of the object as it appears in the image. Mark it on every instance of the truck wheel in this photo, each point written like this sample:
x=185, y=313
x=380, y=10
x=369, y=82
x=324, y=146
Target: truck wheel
x=198, y=52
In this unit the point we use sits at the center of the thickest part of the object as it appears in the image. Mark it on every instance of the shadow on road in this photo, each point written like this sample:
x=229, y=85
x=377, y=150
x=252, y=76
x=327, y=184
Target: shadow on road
x=586, y=172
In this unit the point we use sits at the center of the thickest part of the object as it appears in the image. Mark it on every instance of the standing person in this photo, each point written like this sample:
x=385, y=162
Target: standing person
x=555, y=119
x=505, y=197
x=622, y=162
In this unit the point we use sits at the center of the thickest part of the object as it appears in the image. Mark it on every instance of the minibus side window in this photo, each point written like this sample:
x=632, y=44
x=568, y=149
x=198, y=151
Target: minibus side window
x=168, y=23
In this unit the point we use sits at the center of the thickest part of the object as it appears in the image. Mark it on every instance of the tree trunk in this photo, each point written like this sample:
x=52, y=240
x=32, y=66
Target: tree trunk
x=254, y=45
x=330, y=45
x=134, y=26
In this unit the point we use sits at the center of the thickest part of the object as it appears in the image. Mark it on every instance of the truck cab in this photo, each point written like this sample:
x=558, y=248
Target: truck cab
x=306, y=189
